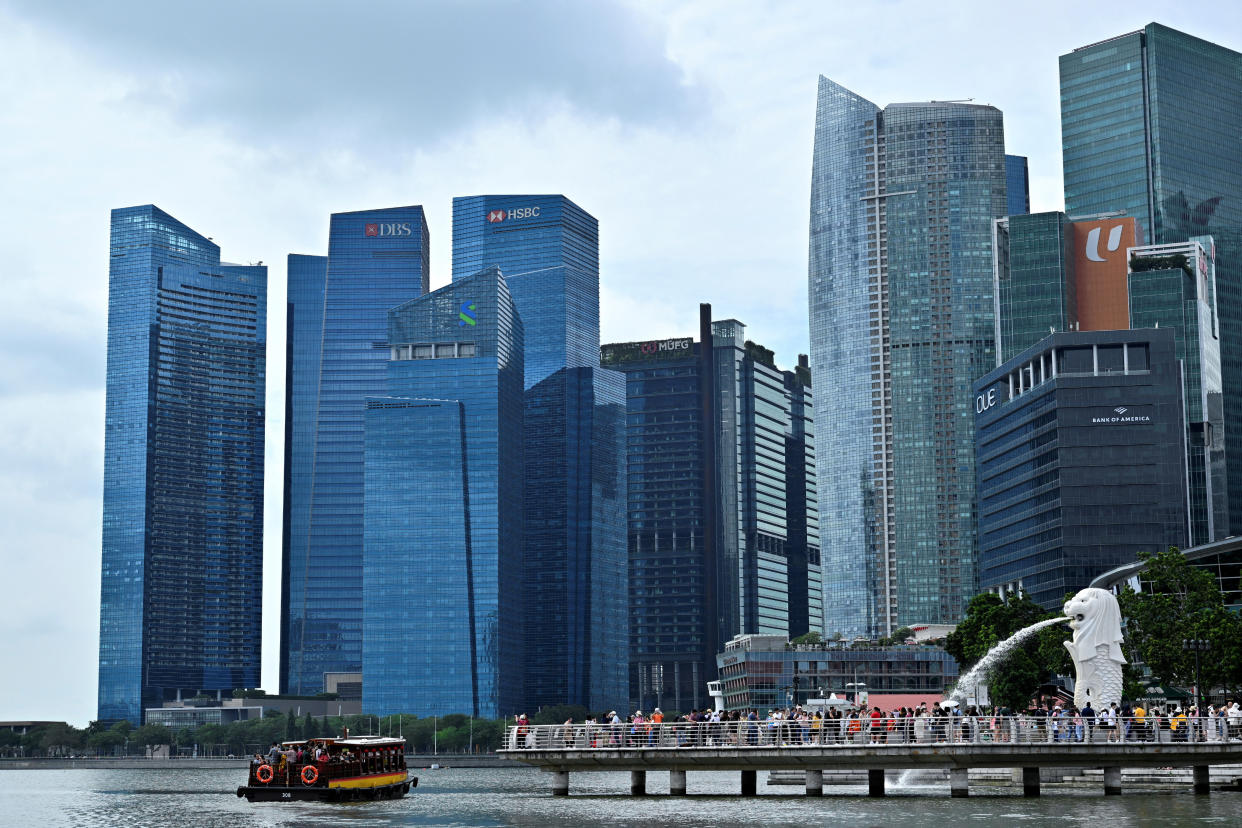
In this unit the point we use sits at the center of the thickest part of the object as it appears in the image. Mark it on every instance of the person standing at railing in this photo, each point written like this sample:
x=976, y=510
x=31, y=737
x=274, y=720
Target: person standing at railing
x=1139, y=727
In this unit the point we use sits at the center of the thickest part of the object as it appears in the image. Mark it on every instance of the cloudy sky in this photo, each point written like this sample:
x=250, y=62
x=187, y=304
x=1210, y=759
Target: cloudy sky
x=684, y=127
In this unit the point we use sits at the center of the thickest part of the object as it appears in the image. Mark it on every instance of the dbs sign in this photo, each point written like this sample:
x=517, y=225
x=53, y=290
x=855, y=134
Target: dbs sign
x=1100, y=272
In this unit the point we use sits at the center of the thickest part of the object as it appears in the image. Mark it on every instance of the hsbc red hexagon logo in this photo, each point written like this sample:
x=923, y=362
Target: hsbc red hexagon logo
x=495, y=216
x=372, y=229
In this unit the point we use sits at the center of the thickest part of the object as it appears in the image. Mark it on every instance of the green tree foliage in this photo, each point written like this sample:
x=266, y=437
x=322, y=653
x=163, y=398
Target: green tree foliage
x=151, y=735
x=808, y=638
x=989, y=621
x=1180, y=601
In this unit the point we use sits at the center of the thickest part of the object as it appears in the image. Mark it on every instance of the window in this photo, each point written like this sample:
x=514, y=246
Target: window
x=422, y=352
x=465, y=349
x=1111, y=359
x=1075, y=361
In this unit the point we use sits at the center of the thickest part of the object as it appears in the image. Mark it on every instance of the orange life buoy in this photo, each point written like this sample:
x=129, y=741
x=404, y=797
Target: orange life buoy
x=264, y=774
x=309, y=775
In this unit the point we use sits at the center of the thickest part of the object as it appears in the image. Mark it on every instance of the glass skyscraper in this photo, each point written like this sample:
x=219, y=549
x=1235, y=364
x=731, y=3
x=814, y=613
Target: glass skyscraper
x=723, y=522
x=901, y=322
x=1150, y=126
x=1017, y=185
x=376, y=260
x=575, y=569
x=442, y=571
x=181, y=593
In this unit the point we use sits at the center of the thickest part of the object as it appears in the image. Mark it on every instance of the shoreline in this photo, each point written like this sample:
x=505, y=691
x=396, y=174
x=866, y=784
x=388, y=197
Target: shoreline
x=415, y=762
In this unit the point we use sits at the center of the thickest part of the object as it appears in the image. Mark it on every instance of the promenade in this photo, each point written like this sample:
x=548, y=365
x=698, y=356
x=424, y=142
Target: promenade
x=747, y=747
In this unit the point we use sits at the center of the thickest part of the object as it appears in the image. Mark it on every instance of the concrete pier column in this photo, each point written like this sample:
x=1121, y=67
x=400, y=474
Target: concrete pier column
x=748, y=783
x=560, y=783
x=677, y=782
x=1030, y=781
x=638, y=783
x=1202, y=779
x=959, y=781
x=875, y=782
x=815, y=783
x=1112, y=781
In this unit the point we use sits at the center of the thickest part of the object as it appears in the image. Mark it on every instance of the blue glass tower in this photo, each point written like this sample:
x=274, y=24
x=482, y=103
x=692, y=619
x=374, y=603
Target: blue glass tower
x=547, y=247
x=1017, y=185
x=901, y=322
x=442, y=572
x=180, y=608
x=376, y=260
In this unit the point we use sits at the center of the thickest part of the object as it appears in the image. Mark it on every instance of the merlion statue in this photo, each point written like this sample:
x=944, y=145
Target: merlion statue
x=1095, y=619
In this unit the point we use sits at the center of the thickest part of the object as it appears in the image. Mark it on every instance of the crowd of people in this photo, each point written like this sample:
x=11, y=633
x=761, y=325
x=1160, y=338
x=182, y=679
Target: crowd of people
x=1052, y=721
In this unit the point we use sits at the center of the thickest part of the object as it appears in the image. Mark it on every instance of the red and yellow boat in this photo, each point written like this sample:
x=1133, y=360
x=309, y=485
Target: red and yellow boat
x=344, y=769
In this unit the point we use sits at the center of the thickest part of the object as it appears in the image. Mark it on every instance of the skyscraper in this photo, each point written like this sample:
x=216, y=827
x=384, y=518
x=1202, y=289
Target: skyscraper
x=1150, y=127
x=180, y=608
x=443, y=617
x=723, y=530
x=901, y=319
x=377, y=259
x=1017, y=185
x=575, y=557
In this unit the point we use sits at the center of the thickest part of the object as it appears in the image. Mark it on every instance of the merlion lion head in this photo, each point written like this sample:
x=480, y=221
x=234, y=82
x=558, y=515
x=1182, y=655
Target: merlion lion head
x=1095, y=619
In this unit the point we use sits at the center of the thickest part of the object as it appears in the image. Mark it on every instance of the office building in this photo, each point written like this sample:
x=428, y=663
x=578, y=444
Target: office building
x=575, y=569
x=723, y=522
x=442, y=564
x=338, y=352
x=1017, y=185
x=182, y=577
x=1151, y=127
x=1081, y=460
x=901, y=323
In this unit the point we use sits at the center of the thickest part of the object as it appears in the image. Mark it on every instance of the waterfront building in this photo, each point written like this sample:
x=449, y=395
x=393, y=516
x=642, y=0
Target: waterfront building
x=442, y=566
x=575, y=567
x=1081, y=460
x=1221, y=559
x=723, y=522
x=1017, y=185
x=901, y=323
x=336, y=357
x=761, y=672
x=1151, y=127
x=182, y=573
x=1056, y=274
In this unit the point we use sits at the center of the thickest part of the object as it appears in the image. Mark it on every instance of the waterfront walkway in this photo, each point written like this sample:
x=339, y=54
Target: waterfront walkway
x=952, y=744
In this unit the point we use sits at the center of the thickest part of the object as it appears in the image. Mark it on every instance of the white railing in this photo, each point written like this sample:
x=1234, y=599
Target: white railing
x=800, y=733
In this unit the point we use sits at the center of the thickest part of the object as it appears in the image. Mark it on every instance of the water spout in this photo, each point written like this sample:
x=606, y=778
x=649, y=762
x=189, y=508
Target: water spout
x=968, y=683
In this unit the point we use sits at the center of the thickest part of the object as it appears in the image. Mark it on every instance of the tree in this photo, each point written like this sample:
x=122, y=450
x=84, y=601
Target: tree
x=990, y=620
x=808, y=638
x=151, y=735
x=1178, y=602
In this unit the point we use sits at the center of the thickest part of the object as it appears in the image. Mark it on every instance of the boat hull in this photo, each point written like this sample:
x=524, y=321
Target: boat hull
x=274, y=793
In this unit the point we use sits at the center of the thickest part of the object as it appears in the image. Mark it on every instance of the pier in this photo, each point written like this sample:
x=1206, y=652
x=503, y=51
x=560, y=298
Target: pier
x=956, y=746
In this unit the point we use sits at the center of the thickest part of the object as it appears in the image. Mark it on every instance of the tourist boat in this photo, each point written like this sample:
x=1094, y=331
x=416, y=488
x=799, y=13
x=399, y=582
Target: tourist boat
x=349, y=769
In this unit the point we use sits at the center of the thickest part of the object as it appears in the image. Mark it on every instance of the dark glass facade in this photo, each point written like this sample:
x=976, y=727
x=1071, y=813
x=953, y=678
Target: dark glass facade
x=723, y=519
x=901, y=322
x=1150, y=123
x=1034, y=280
x=181, y=592
x=442, y=566
x=547, y=247
x=1080, y=460
x=1017, y=185
x=376, y=260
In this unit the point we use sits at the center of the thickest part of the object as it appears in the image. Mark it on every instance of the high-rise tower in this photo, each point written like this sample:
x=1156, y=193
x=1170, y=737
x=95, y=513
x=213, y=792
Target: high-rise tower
x=901, y=317
x=376, y=260
x=181, y=597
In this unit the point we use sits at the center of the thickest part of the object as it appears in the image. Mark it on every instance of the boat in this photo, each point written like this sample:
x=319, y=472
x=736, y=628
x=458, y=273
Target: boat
x=349, y=769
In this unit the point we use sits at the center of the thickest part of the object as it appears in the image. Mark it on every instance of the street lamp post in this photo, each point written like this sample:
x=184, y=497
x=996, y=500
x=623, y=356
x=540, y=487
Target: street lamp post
x=1197, y=645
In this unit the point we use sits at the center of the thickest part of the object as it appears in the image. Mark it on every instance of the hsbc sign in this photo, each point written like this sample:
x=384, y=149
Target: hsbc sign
x=497, y=216
x=388, y=229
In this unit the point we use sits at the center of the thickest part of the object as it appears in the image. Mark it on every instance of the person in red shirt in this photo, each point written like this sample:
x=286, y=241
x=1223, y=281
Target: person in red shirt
x=877, y=726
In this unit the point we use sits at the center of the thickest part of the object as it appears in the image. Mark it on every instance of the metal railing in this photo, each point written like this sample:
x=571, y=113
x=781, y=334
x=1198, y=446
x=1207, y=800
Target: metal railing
x=800, y=733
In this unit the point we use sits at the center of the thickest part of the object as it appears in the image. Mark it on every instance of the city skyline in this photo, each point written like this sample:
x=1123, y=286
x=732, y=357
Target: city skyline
x=656, y=174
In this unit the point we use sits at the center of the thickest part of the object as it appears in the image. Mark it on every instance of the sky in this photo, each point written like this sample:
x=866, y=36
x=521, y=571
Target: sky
x=684, y=127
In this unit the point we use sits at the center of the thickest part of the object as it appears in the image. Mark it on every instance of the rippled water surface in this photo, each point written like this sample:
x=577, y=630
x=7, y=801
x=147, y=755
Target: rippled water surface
x=521, y=797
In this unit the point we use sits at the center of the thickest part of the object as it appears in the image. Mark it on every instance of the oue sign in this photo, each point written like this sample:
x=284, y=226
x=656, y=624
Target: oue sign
x=985, y=401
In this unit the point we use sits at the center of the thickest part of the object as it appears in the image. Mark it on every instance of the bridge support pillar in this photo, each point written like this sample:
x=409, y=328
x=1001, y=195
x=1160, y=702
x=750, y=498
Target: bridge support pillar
x=677, y=782
x=875, y=782
x=1112, y=781
x=815, y=783
x=1030, y=781
x=638, y=783
x=560, y=783
x=959, y=781
x=748, y=783
x=1202, y=779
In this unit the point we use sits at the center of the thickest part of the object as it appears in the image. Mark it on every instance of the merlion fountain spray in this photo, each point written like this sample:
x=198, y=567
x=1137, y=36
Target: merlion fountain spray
x=1095, y=618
